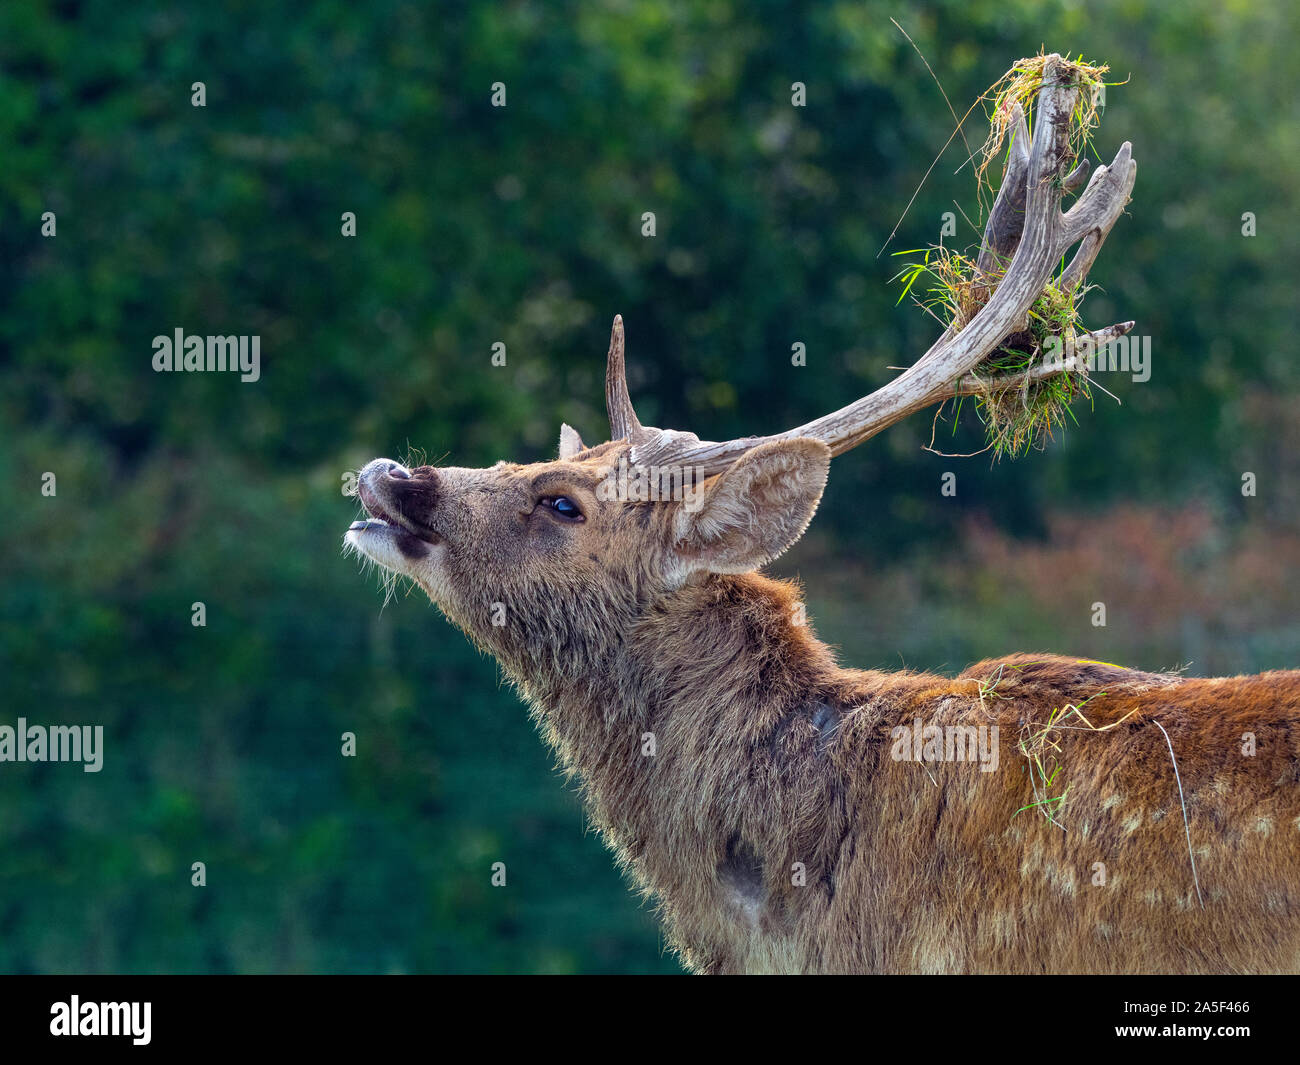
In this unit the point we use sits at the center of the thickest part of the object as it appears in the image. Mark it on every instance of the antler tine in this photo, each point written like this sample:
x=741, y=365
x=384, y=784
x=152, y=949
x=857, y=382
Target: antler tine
x=1007, y=218
x=1097, y=212
x=1026, y=230
x=623, y=421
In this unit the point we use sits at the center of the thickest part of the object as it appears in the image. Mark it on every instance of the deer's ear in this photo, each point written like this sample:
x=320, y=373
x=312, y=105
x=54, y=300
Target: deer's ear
x=753, y=512
x=570, y=441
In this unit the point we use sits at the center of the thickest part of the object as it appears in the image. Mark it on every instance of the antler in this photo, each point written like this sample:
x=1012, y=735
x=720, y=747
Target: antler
x=622, y=418
x=1026, y=229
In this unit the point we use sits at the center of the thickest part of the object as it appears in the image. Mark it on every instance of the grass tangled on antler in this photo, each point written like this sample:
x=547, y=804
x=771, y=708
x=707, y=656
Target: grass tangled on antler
x=954, y=288
x=1019, y=418
x=1022, y=84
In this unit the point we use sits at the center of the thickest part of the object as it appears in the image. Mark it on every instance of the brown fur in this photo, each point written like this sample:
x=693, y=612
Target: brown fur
x=770, y=759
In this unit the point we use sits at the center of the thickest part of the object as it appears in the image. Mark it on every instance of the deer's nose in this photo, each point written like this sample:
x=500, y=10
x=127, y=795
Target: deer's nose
x=380, y=469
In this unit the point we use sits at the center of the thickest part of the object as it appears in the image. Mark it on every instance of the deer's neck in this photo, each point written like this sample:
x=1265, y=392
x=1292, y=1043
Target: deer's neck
x=665, y=729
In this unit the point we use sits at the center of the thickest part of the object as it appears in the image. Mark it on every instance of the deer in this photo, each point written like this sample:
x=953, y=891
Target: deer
x=1036, y=813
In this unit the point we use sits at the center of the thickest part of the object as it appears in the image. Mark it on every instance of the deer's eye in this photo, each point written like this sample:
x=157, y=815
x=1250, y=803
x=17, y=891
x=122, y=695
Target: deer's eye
x=563, y=506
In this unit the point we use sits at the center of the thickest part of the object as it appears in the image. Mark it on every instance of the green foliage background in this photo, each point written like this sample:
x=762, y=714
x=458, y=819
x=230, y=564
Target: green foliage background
x=478, y=224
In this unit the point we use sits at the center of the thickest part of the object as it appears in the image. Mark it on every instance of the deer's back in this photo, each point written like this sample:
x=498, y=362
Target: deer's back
x=1073, y=854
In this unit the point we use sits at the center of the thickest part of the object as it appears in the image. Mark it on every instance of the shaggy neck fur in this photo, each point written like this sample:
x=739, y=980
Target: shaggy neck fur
x=699, y=742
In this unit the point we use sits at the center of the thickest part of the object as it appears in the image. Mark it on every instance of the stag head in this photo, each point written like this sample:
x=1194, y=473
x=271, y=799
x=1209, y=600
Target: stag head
x=552, y=563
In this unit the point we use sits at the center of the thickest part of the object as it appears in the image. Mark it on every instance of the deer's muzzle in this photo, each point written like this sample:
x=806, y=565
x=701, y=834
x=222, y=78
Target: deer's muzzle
x=399, y=501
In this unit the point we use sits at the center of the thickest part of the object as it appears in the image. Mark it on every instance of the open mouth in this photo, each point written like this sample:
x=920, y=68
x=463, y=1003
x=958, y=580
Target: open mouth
x=383, y=518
